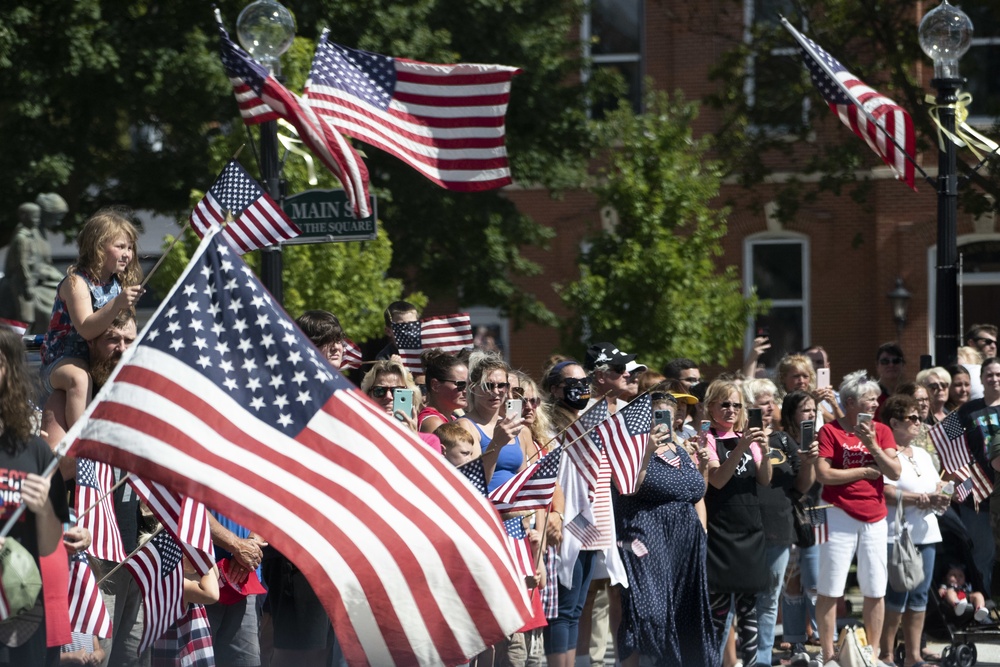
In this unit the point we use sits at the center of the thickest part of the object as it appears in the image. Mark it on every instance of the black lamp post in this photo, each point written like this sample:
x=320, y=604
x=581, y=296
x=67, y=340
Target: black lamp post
x=945, y=36
x=266, y=29
x=899, y=298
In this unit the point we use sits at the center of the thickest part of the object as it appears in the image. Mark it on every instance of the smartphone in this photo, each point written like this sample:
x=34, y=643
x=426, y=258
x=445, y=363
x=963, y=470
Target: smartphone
x=514, y=406
x=755, y=418
x=822, y=378
x=763, y=332
x=807, y=434
x=864, y=417
x=664, y=417
x=402, y=401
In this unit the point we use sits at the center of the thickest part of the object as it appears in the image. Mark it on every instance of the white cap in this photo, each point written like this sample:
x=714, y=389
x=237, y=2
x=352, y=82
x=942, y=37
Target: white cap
x=633, y=366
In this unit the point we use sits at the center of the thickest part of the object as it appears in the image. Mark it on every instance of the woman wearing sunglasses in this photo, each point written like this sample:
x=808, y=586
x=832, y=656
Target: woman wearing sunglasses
x=495, y=433
x=447, y=378
x=937, y=382
x=737, y=570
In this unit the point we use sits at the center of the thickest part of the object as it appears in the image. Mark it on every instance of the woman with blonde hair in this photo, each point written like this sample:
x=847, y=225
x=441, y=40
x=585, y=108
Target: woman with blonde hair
x=937, y=382
x=796, y=373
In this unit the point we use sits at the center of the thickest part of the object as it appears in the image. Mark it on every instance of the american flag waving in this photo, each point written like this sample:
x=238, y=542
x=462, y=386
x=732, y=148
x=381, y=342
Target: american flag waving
x=257, y=221
x=625, y=435
x=948, y=437
x=94, y=480
x=532, y=488
x=871, y=115
x=262, y=98
x=445, y=121
x=224, y=400
x=87, y=612
x=157, y=570
x=352, y=355
x=450, y=333
x=584, y=446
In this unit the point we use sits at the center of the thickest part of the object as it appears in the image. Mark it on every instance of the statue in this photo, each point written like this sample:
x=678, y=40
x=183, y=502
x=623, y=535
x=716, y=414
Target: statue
x=30, y=281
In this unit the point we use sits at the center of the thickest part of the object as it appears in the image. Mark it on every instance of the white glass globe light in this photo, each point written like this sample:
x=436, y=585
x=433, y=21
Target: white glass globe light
x=945, y=36
x=266, y=29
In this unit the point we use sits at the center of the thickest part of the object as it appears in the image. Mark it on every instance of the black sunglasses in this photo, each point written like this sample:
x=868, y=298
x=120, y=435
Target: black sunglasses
x=658, y=396
x=379, y=391
x=493, y=386
x=727, y=405
x=895, y=361
x=459, y=384
x=913, y=419
x=575, y=382
x=986, y=341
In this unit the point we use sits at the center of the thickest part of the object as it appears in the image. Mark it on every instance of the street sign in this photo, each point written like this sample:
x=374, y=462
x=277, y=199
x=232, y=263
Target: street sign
x=325, y=216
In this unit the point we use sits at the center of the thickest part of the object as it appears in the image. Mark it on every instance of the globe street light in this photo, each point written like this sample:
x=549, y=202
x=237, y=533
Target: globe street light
x=945, y=36
x=266, y=29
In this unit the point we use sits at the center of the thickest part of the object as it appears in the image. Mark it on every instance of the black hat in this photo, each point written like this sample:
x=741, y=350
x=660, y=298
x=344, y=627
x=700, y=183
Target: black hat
x=605, y=353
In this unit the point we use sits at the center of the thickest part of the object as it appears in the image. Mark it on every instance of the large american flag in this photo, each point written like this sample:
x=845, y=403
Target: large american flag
x=871, y=115
x=450, y=333
x=262, y=98
x=257, y=221
x=948, y=437
x=185, y=519
x=87, y=612
x=445, y=121
x=532, y=488
x=584, y=446
x=223, y=399
x=94, y=480
x=158, y=571
x=625, y=435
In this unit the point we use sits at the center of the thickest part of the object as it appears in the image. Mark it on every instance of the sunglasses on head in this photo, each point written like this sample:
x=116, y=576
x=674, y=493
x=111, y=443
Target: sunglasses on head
x=380, y=391
x=895, y=361
x=658, y=396
x=517, y=392
x=459, y=384
x=731, y=406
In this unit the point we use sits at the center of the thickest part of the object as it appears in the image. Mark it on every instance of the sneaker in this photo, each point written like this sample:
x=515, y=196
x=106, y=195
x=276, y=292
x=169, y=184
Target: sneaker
x=961, y=606
x=982, y=615
x=800, y=657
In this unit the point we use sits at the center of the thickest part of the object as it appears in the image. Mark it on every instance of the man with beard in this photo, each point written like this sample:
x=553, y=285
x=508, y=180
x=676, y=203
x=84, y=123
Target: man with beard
x=120, y=591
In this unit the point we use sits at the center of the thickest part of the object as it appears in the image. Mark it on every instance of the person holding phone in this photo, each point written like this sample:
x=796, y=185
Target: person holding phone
x=737, y=569
x=856, y=455
x=797, y=373
x=447, y=379
x=389, y=384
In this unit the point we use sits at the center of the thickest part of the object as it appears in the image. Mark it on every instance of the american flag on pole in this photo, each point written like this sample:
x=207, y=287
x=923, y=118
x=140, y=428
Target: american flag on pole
x=445, y=121
x=625, y=435
x=352, y=355
x=185, y=519
x=872, y=116
x=87, y=612
x=159, y=574
x=948, y=437
x=972, y=482
x=531, y=489
x=583, y=444
x=520, y=547
x=223, y=399
x=94, y=480
x=262, y=98
x=188, y=642
x=449, y=333
x=817, y=517
x=964, y=488
x=257, y=221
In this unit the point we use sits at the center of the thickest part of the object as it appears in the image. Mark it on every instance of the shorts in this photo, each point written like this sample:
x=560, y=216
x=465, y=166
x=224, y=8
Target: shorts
x=71, y=346
x=298, y=617
x=847, y=536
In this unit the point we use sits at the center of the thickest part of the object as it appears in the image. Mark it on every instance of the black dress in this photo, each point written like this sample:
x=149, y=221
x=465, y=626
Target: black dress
x=665, y=609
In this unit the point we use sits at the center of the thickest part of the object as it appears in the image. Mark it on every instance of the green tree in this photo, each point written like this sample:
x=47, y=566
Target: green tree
x=651, y=283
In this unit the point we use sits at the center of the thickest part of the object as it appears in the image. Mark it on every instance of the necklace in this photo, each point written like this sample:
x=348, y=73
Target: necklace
x=911, y=459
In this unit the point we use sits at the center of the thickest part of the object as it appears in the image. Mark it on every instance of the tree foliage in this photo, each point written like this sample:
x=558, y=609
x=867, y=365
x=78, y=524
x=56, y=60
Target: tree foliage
x=127, y=102
x=651, y=283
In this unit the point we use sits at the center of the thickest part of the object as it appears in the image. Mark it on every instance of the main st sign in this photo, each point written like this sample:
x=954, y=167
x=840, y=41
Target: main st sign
x=326, y=216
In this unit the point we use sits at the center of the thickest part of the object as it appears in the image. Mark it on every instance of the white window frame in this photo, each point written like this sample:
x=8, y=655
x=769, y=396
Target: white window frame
x=779, y=238
x=586, y=33
x=750, y=80
x=980, y=120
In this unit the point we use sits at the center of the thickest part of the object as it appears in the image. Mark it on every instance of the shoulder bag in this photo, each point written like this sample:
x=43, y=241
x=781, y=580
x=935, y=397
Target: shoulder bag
x=906, y=565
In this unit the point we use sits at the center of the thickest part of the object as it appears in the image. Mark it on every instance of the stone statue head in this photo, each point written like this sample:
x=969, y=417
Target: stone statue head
x=53, y=208
x=29, y=214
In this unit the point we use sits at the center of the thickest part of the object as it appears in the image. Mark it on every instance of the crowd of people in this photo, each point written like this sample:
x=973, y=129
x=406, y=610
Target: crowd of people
x=691, y=567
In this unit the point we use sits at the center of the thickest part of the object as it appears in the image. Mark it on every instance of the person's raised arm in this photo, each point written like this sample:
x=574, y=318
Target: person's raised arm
x=807, y=468
x=885, y=459
x=48, y=527
x=719, y=474
x=90, y=323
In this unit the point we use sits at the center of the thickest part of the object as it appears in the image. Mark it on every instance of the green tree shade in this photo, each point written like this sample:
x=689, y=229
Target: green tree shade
x=651, y=284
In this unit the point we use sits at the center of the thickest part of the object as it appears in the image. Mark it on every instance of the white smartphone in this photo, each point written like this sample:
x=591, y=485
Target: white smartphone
x=514, y=406
x=822, y=378
x=864, y=418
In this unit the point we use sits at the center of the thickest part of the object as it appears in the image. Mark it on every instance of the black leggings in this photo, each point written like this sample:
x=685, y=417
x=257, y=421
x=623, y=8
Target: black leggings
x=744, y=605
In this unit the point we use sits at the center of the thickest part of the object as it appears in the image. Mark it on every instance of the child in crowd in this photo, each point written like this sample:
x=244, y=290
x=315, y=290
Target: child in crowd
x=957, y=592
x=396, y=312
x=456, y=442
x=103, y=282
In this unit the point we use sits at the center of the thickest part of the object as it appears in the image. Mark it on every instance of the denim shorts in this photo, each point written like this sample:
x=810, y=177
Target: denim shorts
x=915, y=600
x=72, y=346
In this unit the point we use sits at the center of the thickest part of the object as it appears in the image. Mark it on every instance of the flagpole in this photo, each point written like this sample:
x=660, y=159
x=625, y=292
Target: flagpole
x=871, y=119
x=229, y=218
x=105, y=495
x=119, y=565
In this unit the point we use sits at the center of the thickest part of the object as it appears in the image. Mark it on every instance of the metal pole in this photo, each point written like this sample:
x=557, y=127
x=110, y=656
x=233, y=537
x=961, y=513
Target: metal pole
x=945, y=327
x=270, y=260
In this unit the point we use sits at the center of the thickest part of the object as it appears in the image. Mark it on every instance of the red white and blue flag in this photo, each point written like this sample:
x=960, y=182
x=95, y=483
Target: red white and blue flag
x=184, y=518
x=870, y=115
x=583, y=444
x=94, y=480
x=157, y=569
x=448, y=333
x=224, y=400
x=817, y=517
x=257, y=220
x=352, y=355
x=948, y=437
x=445, y=121
x=262, y=98
x=87, y=611
x=520, y=546
x=188, y=642
x=531, y=489
x=625, y=435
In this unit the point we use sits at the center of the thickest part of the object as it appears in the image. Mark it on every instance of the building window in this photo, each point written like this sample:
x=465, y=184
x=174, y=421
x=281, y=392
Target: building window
x=776, y=267
x=773, y=62
x=490, y=330
x=612, y=39
x=980, y=64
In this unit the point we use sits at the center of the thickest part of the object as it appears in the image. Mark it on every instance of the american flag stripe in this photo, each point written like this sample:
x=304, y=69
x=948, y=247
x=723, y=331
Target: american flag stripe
x=948, y=437
x=450, y=333
x=352, y=355
x=982, y=487
x=582, y=529
x=583, y=444
x=964, y=488
x=161, y=582
x=445, y=121
x=818, y=519
x=185, y=519
x=87, y=611
x=253, y=109
x=871, y=116
x=188, y=642
x=625, y=435
x=403, y=555
x=530, y=489
x=101, y=521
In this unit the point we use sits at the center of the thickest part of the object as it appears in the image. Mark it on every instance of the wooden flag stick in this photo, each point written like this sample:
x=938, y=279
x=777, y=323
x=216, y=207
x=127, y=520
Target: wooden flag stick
x=105, y=495
x=166, y=252
x=119, y=565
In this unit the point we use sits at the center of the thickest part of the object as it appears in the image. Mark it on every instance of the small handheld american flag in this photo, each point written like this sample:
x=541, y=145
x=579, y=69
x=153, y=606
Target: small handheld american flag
x=449, y=333
x=625, y=435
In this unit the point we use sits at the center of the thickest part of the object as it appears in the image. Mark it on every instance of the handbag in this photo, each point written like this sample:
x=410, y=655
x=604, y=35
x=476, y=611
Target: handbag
x=906, y=565
x=805, y=535
x=853, y=649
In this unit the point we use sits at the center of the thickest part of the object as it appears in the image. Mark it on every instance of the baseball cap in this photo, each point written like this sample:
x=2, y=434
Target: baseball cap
x=635, y=367
x=685, y=398
x=605, y=353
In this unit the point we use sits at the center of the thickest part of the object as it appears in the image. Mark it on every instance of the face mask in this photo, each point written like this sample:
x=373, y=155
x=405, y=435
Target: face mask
x=576, y=397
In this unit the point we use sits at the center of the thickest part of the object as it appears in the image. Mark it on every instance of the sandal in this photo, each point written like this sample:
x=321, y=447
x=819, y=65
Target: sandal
x=929, y=657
